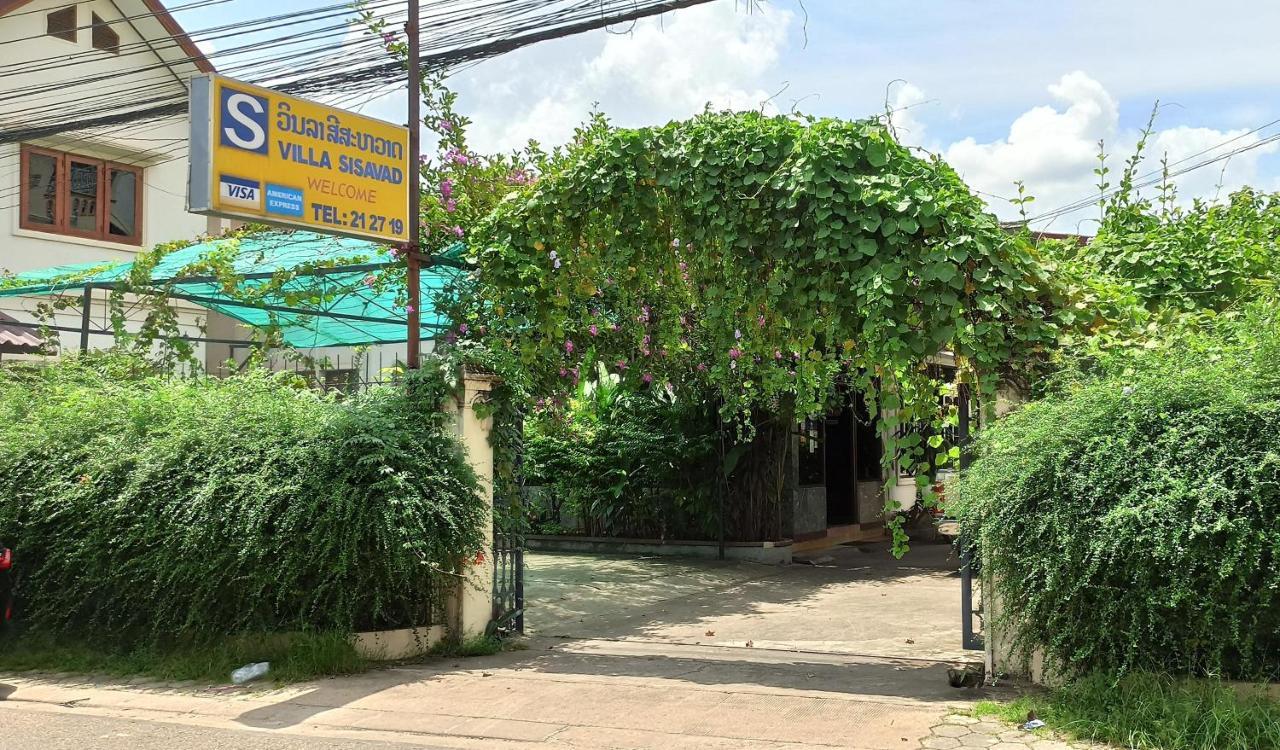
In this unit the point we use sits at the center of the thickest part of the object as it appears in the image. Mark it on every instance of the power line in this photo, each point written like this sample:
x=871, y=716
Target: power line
x=459, y=37
x=1160, y=175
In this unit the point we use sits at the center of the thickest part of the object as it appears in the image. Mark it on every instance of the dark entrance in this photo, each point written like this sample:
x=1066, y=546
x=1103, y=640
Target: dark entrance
x=841, y=465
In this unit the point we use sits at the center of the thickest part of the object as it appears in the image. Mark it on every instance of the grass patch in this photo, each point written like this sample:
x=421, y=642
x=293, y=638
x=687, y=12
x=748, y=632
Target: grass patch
x=1147, y=711
x=293, y=658
x=480, y=645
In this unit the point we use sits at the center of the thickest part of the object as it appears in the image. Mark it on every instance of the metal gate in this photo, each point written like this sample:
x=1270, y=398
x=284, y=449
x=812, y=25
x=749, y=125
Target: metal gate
x=972, y=610
x=508, y=582
x=508, y=548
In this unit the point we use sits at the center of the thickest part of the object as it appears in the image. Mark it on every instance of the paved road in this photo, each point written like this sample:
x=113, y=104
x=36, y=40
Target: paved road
x=25, y=729
x=850, y=600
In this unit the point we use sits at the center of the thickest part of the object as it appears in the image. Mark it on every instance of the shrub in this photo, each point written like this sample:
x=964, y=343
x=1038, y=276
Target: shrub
x=146, y=509
x=628, y=464
x=1129, y=520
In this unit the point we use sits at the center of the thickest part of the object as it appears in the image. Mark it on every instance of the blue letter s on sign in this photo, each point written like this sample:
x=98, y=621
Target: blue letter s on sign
x=244, y=120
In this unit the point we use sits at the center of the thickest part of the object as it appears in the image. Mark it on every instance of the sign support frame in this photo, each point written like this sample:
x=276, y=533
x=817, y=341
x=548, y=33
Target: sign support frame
x=413, y=257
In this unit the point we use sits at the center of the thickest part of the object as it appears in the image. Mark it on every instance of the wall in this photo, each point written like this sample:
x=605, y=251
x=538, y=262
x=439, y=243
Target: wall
x=810, y=512
x=158, y=147
x=870, y=502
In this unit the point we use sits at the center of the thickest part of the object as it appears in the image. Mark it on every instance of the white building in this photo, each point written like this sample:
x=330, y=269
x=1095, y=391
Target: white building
x=71, y=193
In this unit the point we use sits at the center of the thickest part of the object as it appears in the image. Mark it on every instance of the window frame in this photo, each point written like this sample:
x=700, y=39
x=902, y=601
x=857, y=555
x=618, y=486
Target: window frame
x=62, y=197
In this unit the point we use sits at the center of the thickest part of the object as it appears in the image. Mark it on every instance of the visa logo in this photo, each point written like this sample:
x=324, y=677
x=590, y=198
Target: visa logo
x=237, y=191
x=243, y=120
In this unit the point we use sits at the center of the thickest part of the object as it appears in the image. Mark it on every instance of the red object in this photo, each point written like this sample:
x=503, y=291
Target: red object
x=6, y=559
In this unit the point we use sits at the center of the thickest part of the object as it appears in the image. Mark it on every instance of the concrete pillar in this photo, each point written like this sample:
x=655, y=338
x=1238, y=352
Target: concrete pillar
x=471, y=606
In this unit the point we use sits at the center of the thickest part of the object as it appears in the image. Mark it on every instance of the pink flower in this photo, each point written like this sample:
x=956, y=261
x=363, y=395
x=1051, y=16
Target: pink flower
x=735, y=353
x=388, y=37
x=616, y=327
x=410, y=309
x=564, y=373
x=777, y=354
x=463, y=329
x=646, y=378
x=594, y=329
x=446, y=188
x=760, y=321
x=458, y=231
x=370, y=280
x=568, y=346
x=702, y=367
x=446, y=126
x=684, y=266
x=622, y=365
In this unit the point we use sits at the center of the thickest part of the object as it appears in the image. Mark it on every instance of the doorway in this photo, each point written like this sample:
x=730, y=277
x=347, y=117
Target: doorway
x=841, y=468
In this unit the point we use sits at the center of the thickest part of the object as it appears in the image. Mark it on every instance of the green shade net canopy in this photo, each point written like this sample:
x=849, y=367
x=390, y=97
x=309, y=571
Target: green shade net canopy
x=329, y=301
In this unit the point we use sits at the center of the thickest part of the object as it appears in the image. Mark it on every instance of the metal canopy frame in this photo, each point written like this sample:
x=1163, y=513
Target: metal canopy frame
x=85, y=329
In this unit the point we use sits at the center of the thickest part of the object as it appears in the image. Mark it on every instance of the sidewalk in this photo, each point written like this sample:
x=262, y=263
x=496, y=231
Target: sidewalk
x=580, y=694
x=626, y=654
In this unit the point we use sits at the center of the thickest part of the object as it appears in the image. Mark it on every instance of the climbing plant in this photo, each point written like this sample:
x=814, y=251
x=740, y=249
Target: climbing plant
x=770, y=261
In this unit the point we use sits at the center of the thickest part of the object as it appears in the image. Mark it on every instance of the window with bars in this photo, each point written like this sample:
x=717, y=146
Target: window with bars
x=812, y=458
x=80, y=196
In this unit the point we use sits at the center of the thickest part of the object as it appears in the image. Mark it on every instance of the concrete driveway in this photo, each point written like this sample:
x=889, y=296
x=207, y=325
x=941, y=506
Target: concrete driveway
x=849, y=600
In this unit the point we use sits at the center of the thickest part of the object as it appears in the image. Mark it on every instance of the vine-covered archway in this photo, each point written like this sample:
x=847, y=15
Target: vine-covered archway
x=766, y=260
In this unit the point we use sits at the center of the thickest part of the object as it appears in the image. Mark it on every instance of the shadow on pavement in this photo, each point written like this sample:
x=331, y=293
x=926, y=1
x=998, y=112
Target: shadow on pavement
x=645, y=620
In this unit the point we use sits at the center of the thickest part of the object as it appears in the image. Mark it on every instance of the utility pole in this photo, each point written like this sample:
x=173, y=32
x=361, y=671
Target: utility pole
x=414, y=175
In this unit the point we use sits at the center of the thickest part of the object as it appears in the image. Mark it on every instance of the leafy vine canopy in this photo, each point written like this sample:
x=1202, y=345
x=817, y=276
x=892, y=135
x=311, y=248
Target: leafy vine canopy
x=766, y=260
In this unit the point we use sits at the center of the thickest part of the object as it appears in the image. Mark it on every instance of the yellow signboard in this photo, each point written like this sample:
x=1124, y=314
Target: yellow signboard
x=259, y=155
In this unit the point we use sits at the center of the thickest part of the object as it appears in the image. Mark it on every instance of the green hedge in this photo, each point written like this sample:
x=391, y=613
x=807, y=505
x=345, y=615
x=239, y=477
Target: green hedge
x=1132, y=520
x=146, y=509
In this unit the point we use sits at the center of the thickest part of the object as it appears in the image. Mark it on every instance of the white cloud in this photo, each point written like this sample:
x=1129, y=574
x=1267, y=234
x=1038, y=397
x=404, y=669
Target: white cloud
x=905, y=114
x=664, y=68
x=1054, y=150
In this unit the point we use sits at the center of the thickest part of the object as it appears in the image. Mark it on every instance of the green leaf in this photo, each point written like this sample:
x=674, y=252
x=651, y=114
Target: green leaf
x=877, y=153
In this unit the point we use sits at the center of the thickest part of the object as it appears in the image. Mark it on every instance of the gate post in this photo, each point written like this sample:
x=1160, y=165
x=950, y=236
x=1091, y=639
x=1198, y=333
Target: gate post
x=470, y=607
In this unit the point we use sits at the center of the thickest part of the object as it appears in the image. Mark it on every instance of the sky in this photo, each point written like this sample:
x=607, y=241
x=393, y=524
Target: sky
x=1004, y=90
